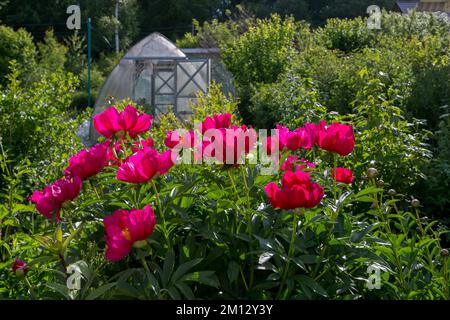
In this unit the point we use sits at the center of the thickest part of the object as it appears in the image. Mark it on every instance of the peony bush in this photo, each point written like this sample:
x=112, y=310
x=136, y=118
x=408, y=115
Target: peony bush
x=128, y=220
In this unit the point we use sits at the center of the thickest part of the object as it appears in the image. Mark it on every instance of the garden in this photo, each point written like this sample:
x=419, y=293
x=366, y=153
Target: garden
x=325, y=176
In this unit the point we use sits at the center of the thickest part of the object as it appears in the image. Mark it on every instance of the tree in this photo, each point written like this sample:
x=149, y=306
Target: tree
x=16, y=45
x=174, y=17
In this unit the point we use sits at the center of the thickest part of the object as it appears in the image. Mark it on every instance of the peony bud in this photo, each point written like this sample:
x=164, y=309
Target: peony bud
x=20, y=268
x=444, y=253
x=372, y=172
x=380, y=183
x=392, y=192
x=415, y=203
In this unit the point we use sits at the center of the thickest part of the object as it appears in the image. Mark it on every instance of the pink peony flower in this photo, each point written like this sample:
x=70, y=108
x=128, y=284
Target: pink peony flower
x=52, y=198
x=337, y=138
x=297, y=191
x=342, y=175
x=138, y=145
x=144, y=165
x=88, y=163
x=123, y=228
x=173, y=139
x=218, y=121
x=111, y=123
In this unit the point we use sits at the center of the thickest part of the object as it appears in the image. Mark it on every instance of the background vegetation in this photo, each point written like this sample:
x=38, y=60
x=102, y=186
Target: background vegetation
x=391, y=84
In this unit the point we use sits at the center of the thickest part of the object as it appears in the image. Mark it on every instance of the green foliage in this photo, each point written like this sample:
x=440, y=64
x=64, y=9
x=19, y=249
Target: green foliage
x=436, y=185
x=16, y=45
x=216, y=235
x=51, y=53
x=402, y=152
x=210, y=34
x=217, y=238
x=262, y=53
x=76, y=53
x=291, y=101
x=347, y=35
x=35, y=123
x=214, y=102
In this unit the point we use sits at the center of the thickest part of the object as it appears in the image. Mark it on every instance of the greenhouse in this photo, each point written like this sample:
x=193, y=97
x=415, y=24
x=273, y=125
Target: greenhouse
x=159, y=76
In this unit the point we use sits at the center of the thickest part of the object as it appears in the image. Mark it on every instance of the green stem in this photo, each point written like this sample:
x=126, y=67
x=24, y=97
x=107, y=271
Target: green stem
x=290, y=252
x=93, y=188
x=243, y=279
x=145, y=265
x=161, y=212
x=32, y=294
x=422, y=231
x=249, y=222
x=233, y=184
x=334, y=179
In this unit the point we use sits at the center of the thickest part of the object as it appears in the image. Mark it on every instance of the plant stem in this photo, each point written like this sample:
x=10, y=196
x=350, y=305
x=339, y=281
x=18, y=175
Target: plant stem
x=91, y=185
x=32, y=294
x=233, y=184
x=334, y=180
x=161, y=212
x=291, y=251
x=145, y=265
x=249, y=222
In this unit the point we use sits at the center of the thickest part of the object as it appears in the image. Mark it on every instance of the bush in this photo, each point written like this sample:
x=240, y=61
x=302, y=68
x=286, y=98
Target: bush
x=16, y=45
x=402, y=152
x=35, y=124
x=347, y=35
x=291, y=101
x=262, y=53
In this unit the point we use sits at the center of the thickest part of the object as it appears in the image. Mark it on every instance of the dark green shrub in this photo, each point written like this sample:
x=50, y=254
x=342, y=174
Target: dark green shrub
x=347, y=35
x=16, y=45
x=35, y=123
x=291, y=101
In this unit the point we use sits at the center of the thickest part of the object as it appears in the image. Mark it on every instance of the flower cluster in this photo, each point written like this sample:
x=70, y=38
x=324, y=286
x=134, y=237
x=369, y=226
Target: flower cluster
x=297, y=189
x=137, y=162
x=220, y=140
x=336, y=137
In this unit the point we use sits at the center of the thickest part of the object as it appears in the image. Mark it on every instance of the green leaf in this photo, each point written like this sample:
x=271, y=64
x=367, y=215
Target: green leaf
x=367, y=191
x=233, y=271
x=100, y=291
x=185, y=267
x=173, y=293
x=311, y=284
x=357, y=236
x=309, y=259
x=185, y=290
x=204, y=277
x=63, y=290
x=70, y=237
x=169, y=263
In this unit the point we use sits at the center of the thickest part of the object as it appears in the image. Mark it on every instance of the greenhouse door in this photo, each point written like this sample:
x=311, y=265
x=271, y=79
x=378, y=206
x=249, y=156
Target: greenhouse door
x=191, y=77
x=163, y=87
